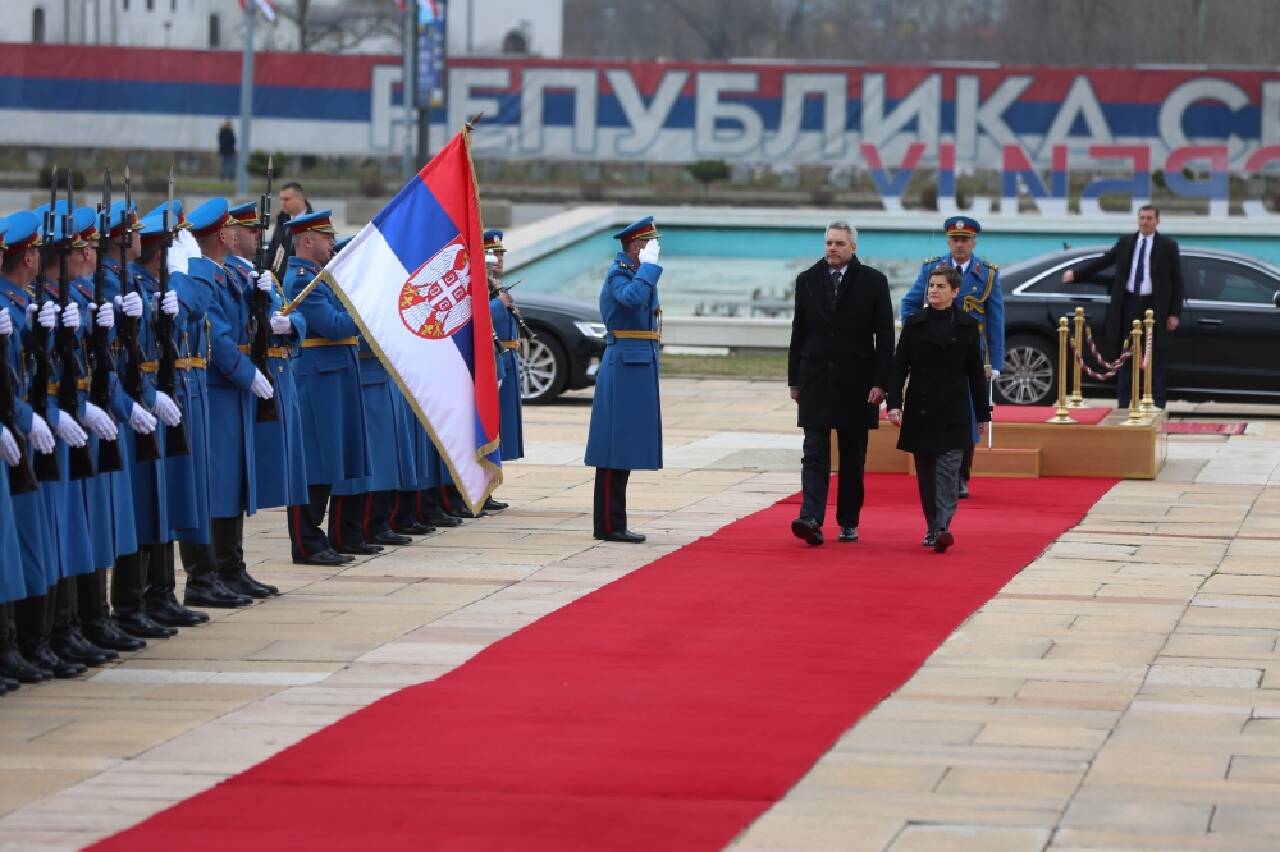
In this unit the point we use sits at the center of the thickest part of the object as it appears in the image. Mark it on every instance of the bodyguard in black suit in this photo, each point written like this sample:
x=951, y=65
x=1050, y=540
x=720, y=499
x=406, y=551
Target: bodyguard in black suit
x=838, y=367
x=1148, y=277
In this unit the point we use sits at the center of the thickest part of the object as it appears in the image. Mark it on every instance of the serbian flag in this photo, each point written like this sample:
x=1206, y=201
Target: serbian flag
x=267, y=7
x=414, y=281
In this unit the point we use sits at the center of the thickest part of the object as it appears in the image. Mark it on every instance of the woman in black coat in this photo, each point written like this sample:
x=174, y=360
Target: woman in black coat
x=940, y=355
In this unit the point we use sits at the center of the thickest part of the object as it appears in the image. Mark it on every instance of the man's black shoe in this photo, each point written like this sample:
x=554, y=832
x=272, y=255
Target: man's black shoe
x=208, y=592
x=44, y=657
x=328, y=556
x=944, y=540
x=85, y=645
x=105, y=634
x=492, y=505
x=138, y=625
x=68, y=649
x=930, y=538
x=414, y=528
x=360, y=549
x=444, y=519
x=963, y=493
x=848, y=533
x=16, y=667
x=392, y=539
x=807, y=530
x=626, y=536
x=169, y=612
x=243, y=584
x=7, y=685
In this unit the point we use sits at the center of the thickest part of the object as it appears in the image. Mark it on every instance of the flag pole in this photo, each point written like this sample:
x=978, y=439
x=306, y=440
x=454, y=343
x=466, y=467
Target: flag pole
x=246, y=102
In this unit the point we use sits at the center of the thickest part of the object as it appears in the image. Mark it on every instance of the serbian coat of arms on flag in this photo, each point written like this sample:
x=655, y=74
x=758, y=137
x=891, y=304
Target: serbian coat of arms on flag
x=412, y=279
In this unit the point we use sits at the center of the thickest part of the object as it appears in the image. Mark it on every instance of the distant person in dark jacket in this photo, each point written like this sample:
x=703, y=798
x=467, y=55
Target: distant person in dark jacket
x=1148, y=276
x=293, y=203
x=940, y=354
x=227, y=151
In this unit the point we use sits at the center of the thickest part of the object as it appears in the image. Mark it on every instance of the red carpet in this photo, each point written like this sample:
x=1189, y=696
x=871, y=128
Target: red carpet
x=665, y=711
x=1200, y=427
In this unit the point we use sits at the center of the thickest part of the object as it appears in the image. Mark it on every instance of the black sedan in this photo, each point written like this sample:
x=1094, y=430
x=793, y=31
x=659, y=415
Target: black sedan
x=564, y=350
x=1226, y=348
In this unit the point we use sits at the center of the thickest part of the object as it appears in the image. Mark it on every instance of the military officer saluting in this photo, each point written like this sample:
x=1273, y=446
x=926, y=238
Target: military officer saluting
x=626, y=420
x=980, y=297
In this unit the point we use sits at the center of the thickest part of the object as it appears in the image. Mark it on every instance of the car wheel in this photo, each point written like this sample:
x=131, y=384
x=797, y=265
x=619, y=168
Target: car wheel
x=1030, y=373
x=544, y=368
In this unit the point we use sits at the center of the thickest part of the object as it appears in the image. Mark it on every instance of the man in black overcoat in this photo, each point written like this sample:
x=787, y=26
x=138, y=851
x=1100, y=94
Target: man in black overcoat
x=1148, y=276
x=838, y=367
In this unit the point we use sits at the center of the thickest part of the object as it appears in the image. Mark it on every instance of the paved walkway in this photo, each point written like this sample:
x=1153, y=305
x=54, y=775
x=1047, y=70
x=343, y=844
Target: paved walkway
x=1122, y=692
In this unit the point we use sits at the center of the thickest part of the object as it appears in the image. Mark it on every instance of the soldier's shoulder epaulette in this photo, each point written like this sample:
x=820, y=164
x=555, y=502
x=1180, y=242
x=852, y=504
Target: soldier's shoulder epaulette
x=16, y=299
x=84, y=291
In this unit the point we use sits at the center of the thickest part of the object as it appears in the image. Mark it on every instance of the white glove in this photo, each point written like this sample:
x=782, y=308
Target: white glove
x=141, y=421
x=167, y=410
x=104, y=318
x=48, y=317
x=261, y=388
x=71, y=316
x=99, y=423
x=176, y=258
x=490, y=259
x=69, y=430
x=649, y=254
x=169, y=304
x=280, y=324
x=130, y=305
x=188, y=243
x=261, y=280
x=40, y=436
x=995, y=373
x=6, y=323
x=9, y=453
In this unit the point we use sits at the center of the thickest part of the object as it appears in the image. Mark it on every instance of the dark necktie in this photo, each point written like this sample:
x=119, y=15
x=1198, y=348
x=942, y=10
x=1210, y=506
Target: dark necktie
x=1140, y=267
x=835, y=285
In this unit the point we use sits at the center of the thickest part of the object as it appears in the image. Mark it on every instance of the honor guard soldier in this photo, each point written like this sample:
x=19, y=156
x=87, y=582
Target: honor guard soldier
x=626, y=419
x=12, y=458
x=506, y=328
x=26, y=619
x=980, y=297
x=233, y=385
x=328, y=377
x=154, y=594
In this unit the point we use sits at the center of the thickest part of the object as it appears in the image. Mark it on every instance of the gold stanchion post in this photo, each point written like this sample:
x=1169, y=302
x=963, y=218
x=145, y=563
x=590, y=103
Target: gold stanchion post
x=1135, y=403
x=1062, y=415
x=1077, y=392
x=1148, y=401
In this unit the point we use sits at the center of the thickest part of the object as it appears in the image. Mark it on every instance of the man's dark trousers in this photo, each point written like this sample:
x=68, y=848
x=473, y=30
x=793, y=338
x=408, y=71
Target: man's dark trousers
x=1135, y=308
x=815, y=474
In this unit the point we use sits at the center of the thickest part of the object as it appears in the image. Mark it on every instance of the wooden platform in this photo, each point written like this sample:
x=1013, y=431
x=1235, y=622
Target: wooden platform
x=1048, y=449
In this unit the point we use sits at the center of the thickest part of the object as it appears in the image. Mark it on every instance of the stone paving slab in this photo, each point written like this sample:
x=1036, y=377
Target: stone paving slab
x=1122, y=692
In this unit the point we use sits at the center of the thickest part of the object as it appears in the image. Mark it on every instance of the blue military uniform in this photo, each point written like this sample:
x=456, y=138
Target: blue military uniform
x=980, y=296
x=626, y=418
x=328, y=377
x=507, y=330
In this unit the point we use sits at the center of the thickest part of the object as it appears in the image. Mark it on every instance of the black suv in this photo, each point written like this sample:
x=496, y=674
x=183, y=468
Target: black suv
x=1227, y=346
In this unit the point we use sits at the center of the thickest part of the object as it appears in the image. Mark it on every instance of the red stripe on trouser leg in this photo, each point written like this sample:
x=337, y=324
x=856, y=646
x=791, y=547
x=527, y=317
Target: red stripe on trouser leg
x=336, y=522
x=295, y=519
x=608, y=501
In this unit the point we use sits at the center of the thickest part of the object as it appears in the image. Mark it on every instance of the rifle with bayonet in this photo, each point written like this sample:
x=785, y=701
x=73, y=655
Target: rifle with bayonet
x=66, y=345
x=146, y=447
x=176, y=442
x=46, y=464
x=260, y=323
x=101, y=364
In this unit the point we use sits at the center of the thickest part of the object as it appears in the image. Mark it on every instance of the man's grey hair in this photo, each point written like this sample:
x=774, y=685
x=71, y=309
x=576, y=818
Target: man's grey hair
x=842, y=225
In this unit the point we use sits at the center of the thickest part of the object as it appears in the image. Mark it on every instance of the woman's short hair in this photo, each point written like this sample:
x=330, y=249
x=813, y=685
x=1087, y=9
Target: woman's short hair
x=948, y=272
